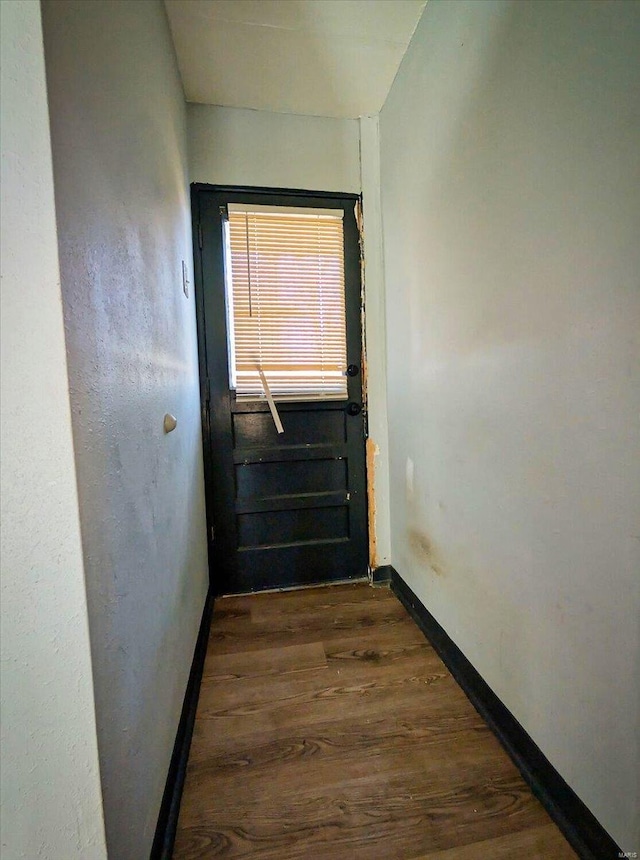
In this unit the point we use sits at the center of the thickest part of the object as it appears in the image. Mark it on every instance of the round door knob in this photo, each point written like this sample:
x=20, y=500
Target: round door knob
x=354, y=409
x=352, y=370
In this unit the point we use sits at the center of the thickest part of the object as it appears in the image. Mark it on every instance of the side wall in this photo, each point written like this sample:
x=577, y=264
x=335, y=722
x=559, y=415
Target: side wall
x=50, y=780
x=120, y=167
x=510, y=153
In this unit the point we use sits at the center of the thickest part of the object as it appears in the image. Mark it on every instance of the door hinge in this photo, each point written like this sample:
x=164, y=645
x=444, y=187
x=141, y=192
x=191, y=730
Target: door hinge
x=213, y=534
x=200, y=235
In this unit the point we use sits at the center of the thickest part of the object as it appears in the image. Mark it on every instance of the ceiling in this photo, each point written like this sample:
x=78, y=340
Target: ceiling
x=320, y=57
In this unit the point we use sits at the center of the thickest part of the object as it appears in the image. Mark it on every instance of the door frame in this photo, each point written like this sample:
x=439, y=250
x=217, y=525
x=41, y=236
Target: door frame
x=197, y=239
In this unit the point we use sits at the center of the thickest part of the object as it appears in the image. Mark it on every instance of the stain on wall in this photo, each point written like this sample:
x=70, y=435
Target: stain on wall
x=424, y=550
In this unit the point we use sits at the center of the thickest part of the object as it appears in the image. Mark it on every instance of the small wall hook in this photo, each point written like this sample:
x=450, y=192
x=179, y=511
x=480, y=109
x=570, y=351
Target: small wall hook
x=170, y=423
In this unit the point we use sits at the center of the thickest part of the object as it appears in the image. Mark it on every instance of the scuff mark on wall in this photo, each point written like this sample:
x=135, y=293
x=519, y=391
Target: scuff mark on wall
x=422, y=546
x=372, y=453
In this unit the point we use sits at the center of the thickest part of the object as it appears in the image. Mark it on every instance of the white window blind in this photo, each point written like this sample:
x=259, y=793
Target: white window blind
x=285, y=302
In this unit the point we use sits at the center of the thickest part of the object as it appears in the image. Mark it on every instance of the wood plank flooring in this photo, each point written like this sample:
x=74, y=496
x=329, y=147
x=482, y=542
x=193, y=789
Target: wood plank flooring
x=328, y=728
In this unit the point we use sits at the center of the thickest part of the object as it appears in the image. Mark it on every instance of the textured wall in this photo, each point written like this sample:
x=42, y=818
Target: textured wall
x=50, y=781
x=510, y=152
x=229, y=146
x=119, y=147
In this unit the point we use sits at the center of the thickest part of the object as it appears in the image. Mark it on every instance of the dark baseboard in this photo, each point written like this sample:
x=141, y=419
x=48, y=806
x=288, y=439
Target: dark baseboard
x=581, y=829
x=165, y=834
x=381, y=575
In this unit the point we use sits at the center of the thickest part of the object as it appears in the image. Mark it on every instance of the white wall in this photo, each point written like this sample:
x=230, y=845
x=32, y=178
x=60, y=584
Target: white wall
x=50, y=781
x=510, y=153
x=119, y=148
x=230, y=146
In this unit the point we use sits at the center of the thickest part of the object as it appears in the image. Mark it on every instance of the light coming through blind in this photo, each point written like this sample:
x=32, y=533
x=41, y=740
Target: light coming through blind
x=285, y=302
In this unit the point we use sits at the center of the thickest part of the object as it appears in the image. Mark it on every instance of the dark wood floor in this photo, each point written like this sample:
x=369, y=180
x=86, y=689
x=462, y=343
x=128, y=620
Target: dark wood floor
x=328, y=728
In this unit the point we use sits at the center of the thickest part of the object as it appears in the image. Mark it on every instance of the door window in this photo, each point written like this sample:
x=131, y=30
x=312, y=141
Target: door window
x=285, y=300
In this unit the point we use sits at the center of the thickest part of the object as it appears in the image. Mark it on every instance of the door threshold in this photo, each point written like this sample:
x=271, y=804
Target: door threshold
x=355, y=581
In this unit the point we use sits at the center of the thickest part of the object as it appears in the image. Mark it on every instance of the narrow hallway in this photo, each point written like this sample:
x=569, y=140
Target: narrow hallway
x=328, y=727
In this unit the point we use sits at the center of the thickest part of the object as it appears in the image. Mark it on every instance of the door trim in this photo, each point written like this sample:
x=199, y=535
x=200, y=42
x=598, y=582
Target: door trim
x=258, y=189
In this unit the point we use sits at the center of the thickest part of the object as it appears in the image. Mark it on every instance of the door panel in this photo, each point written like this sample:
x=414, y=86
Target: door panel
x=284, y=509
x=305, y=426
x=300, y=525
x=301, y=477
